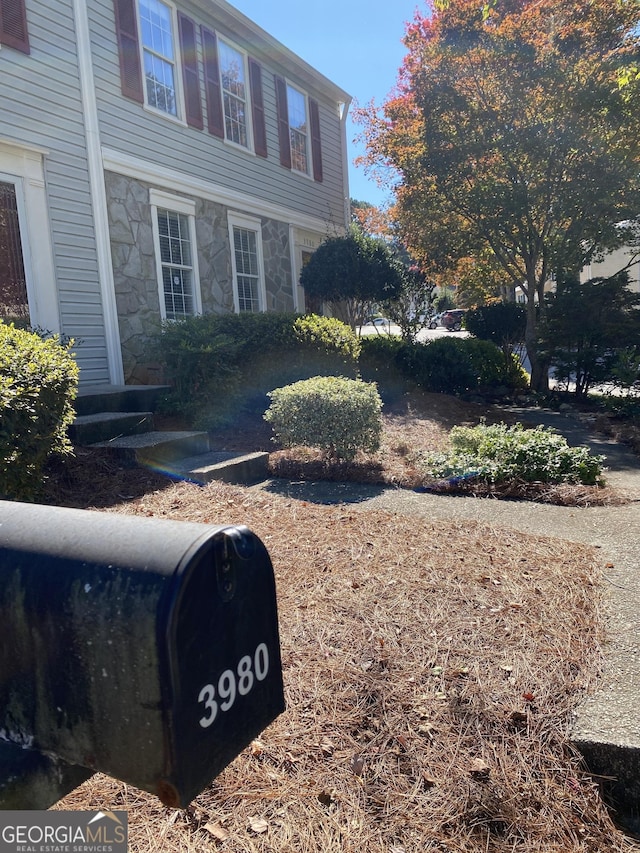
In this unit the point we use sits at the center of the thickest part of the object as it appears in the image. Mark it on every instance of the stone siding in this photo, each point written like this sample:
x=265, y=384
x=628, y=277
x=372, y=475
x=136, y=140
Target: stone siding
x=135, y=276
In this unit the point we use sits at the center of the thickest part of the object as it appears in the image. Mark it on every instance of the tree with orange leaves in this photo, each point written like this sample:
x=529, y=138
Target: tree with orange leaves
x=515, y=127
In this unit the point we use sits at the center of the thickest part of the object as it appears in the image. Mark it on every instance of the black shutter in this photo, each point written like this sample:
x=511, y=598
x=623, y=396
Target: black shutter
x=128, y=49
x=316, y=147
x=257, y=108
x=13, y=25
x=283, y=122
x=190, y=71
x=215, y=115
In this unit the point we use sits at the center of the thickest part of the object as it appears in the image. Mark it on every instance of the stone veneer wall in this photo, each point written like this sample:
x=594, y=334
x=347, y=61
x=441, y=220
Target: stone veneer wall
x=134, y=268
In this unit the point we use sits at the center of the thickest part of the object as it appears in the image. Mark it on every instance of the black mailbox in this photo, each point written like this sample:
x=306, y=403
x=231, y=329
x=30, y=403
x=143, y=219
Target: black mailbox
x=142, y=648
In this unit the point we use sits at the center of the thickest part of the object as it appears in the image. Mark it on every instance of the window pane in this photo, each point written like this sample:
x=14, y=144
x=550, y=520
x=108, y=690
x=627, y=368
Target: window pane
x=297, y=104
x=234, y=89
x=155, y=20
x=247, y=274
x=157, y=40
x=177, y=267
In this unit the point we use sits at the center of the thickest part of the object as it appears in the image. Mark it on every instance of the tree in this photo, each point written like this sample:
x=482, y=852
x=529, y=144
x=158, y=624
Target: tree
x=411, y=307
x=352, y=274
x=515, y=128
x=590, y=329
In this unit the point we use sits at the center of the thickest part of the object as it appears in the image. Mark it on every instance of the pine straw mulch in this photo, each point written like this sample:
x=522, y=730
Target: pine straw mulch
x=431, y=676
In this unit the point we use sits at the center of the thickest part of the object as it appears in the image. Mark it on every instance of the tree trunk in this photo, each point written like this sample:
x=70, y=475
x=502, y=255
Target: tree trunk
x=539, y=381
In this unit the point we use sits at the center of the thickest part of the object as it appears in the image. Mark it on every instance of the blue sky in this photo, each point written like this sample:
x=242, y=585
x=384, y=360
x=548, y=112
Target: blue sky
x=355, y=43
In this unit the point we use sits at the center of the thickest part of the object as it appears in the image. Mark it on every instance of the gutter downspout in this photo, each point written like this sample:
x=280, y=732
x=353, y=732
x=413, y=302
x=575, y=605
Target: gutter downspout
x=344, y=112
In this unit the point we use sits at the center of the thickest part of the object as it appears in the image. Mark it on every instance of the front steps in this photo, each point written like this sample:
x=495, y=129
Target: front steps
x=121, y=418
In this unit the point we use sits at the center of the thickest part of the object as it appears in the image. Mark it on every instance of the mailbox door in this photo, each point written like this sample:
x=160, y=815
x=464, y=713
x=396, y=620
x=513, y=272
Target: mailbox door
x=223, y=654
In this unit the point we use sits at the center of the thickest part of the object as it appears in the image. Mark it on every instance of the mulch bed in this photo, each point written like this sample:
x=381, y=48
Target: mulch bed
x=431, y=674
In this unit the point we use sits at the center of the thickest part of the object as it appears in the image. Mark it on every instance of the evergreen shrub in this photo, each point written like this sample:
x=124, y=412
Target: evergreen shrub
x=38, y=384
x=338, y=415
x=500, y=453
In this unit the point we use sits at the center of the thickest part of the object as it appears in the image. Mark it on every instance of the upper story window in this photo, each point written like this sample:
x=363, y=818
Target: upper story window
x=13, y=25
x=159, y=56
x=298, y=130
x=234, y=94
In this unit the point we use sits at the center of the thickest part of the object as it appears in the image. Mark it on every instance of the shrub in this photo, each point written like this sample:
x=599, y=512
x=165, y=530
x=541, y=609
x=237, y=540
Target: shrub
x=384, y=359
x=459, y=365
x=338, y=415
x=38, y=383
x=497, y=454
x=221, y=364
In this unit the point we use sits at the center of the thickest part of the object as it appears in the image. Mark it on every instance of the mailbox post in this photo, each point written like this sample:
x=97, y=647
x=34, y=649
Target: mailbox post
x=141, y=648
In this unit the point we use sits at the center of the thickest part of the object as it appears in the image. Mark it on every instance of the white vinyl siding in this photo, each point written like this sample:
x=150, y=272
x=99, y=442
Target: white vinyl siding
x=42, y=107
x=245, y=236
x=174, y=235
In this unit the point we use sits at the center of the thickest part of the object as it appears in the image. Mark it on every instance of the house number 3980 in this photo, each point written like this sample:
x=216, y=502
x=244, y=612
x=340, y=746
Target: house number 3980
x=222, y=696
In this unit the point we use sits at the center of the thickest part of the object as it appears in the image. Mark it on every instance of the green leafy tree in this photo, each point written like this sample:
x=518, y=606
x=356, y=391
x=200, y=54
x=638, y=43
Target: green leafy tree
x=591, y=330
x=352, y=274
x=515, y=128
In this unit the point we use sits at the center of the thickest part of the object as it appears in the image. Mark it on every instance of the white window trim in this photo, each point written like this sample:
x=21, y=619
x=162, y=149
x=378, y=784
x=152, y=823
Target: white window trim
x=309, y=172
x=250, y=147
x=187, y=207
x=238, y=220
x=179, y=118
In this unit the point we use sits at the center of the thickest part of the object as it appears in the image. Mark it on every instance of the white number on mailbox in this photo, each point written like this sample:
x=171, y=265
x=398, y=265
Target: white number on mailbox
x=222, y=696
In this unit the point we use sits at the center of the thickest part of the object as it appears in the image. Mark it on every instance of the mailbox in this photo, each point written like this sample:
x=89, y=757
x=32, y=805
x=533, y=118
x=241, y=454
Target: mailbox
x=142, y=648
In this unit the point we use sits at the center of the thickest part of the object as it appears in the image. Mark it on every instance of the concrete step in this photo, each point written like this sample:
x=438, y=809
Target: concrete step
x=105, y=426
x=230, y=467
x=93, y=399
x=158, y=449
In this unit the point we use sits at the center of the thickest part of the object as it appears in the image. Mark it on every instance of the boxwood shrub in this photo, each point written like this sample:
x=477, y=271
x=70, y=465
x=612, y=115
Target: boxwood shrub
x=338, y=415
x=38, y=384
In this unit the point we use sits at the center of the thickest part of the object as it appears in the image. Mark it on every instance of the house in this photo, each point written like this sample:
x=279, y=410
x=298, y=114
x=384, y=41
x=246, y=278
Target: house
x=625, y=257
x=157, y=160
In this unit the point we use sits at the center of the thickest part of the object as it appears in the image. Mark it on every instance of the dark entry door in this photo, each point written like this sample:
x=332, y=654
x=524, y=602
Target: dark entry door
x=14, y=304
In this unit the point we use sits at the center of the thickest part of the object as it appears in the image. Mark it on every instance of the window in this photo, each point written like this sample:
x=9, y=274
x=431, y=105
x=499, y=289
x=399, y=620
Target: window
x=156, y=29
x=246, y=255
x=234, y=94
x=298, y=130
x=174, y=234
x=297, y=117
x=13, y=25
x=153, y=70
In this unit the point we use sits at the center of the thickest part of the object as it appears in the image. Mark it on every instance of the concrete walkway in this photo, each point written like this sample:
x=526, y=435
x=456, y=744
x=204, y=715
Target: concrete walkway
x=607, y=729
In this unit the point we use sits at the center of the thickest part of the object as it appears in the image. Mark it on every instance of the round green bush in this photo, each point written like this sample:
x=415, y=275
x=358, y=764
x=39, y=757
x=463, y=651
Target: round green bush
x=38, y=384
x=338, y=415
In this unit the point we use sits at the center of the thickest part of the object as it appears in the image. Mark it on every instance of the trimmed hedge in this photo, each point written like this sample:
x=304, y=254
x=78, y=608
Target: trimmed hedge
x=338, y=415
x=38, y=384
x=446, y=365
x=220, y=365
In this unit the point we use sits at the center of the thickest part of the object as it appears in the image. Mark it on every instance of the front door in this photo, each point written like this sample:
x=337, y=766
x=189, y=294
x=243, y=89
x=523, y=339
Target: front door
x=14, y=303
